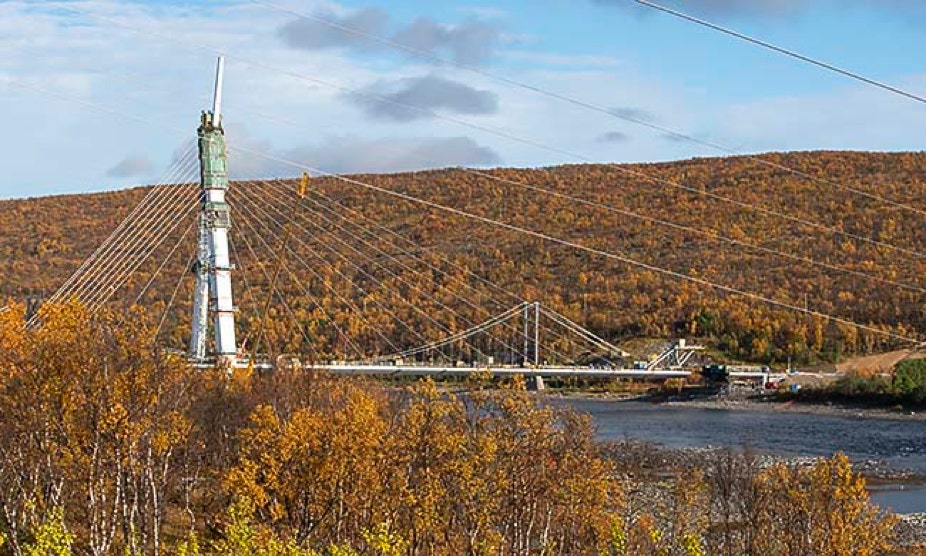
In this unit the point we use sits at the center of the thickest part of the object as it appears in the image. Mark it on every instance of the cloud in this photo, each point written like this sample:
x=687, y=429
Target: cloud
x=307, y=34
x=472, y=42
x=613, y=137
x=130, y=167
x=351, y=154
x=430, y=93
x=468, y=43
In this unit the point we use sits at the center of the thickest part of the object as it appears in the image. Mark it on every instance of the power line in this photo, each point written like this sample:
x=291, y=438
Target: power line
x=781, y=50
x=496, y=132
x=148, y=201
x=709, y=233
x=280, y=189
x=583, y=104
x=581, y=247
x=541, y=235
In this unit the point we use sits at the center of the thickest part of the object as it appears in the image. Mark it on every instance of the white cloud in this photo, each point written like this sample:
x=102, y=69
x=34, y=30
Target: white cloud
x=350, y=154
x=392, y=100
x=52, y=146
x=132, y=166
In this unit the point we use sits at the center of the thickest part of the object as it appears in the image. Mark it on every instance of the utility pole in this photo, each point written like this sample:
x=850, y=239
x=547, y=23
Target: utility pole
x=536, y=333
x=213, y=291
x=525, y=316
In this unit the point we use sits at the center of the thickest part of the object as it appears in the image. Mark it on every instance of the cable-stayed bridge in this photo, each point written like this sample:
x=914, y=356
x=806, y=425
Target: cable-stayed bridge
x=197, y=205
x=476, y=325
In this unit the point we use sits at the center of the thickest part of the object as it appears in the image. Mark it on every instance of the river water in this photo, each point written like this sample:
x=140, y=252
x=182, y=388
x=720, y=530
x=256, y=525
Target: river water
x=902, y=444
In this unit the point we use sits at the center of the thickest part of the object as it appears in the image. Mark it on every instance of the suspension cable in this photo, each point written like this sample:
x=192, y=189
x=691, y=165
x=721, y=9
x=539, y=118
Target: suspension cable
x=292, y=275
x=282, y=298
x=397, y=276
x=581, y=247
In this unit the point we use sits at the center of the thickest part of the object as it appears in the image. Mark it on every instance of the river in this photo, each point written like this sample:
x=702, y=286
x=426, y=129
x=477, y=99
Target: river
x=901, y=444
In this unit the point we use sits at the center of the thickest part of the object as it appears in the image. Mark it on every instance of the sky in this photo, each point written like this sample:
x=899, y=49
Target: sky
x=106, y=94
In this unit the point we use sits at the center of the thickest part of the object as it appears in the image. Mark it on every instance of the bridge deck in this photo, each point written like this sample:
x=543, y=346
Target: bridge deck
x=545, y=372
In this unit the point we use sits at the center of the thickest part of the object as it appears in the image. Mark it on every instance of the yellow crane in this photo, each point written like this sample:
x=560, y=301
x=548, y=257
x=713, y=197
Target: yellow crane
x=281, y=256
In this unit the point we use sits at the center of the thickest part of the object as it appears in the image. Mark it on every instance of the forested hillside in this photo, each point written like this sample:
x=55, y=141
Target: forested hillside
x=372, y=273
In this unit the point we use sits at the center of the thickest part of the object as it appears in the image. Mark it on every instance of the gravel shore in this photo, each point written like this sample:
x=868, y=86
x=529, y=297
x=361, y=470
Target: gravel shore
x=836, y=410
x=750, y=401
x=911, y=530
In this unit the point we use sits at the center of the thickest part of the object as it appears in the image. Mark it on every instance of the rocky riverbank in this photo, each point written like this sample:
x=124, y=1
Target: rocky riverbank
x=773, y=405
x=911, y=530
x=750, y=401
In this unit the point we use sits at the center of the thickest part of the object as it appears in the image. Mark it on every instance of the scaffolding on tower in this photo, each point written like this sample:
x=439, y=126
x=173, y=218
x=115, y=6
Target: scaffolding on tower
x=213, y=290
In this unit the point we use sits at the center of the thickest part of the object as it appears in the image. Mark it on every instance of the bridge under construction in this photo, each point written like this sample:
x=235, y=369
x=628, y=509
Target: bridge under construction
x=527, y=338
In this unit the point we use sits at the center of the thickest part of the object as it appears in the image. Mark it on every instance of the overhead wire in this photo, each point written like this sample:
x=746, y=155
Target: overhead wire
x=541, y=235
x=592, y=250
x=496, y=132
x=578, y=102
x=430, y=297
x=709, y=233
x=781, y=50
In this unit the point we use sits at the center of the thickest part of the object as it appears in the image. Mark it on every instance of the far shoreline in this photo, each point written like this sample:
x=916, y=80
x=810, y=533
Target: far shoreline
x=832, y=409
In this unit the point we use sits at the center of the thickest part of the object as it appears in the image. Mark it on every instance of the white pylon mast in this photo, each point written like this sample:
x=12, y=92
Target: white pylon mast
x=213, y=291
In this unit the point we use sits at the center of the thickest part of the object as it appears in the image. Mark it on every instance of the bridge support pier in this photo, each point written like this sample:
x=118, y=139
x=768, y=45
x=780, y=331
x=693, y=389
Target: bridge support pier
x=535, y=383
x=213, y=293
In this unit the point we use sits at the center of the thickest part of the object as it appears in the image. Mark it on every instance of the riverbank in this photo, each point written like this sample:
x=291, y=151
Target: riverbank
x=773, y=405
x=751, y=402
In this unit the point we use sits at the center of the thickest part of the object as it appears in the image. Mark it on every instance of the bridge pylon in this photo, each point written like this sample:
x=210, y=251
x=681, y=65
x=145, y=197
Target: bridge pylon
x=213, y=290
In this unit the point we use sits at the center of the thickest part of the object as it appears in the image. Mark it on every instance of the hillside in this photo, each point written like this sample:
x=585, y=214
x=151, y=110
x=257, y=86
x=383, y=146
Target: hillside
x=43, y=240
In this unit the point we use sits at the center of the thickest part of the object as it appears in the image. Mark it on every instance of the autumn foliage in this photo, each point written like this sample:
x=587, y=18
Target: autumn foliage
x=110, y=446
x=362, y=286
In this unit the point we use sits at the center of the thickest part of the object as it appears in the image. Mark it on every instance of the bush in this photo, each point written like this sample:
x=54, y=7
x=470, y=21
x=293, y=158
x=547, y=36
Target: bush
x=910, y=380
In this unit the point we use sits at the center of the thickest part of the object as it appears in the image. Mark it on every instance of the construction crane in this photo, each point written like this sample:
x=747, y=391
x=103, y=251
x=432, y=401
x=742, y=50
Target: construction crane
x=278, y=267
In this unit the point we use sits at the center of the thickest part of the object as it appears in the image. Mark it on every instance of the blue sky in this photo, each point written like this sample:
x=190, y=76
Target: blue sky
x=55, y=62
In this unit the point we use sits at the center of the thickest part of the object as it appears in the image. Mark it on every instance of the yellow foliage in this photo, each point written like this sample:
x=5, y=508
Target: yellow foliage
x=130, y=443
